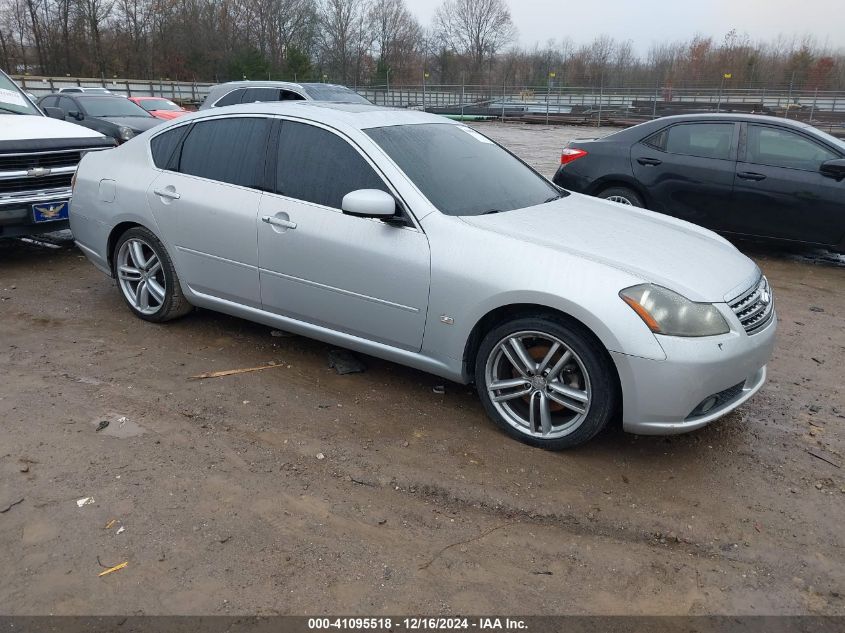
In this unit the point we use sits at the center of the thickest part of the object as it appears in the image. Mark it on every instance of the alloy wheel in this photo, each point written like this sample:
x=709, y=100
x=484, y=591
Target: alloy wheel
x=538, y=384
x=140, y=275
x=620, y=200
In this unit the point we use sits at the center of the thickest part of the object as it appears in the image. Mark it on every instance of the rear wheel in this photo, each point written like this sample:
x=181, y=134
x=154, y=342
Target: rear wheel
x=545, y=382
x=622, y=195
x=147, y=278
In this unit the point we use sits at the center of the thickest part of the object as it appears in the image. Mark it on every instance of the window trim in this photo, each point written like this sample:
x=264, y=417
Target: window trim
x=411, y=221
x=735, y=138
x=177, y=151
x=742, y=156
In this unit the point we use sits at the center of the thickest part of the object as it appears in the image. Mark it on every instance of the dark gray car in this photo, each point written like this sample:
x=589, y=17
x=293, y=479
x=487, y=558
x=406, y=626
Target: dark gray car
x=113, y=116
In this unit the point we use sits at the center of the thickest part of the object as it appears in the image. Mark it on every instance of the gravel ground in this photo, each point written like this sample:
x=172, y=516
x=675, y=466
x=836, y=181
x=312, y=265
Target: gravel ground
x=297, y=491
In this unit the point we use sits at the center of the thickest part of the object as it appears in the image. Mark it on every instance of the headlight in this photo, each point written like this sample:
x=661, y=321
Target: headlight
x=125, y=133
x=667, y=312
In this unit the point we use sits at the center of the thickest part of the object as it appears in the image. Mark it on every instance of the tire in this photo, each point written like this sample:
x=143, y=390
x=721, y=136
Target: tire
x=146, y=278
x=578, y=393
x=622, y=195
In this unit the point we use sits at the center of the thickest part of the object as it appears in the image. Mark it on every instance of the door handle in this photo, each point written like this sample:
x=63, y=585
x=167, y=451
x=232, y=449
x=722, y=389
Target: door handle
x=167, y=193
x=750, y=175
x=285, y=224
x=651, y=162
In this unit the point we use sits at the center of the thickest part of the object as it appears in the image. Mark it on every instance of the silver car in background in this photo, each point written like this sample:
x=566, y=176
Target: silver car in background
x=239, y=92
x=417, y=239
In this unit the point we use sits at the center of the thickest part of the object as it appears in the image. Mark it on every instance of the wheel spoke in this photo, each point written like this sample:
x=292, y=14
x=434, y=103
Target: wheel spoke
x=532, y=416
x=527, y=363
x=136, y=251
x=155, y=290
x=142, y=296
x=548, y=358
x=577, y=408
x=510, y=395
x=153, y=265
x=560, y=364
x=129, y=273
x=507, y=384
x=545, y=415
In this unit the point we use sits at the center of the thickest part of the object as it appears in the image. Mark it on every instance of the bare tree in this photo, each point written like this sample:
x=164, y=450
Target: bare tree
x=476, y=28
x=397, y=36
x=341, y=22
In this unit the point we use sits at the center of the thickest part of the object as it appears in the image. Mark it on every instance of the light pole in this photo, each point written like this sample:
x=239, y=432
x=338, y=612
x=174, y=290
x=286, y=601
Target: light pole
x=722, y=87
x=549, y=93
x=425, y=76
x=387, y=94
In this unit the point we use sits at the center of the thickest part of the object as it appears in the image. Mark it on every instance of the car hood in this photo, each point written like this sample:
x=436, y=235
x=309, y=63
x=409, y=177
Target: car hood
x=18, y=127
x=672, y=253
x=137, y=123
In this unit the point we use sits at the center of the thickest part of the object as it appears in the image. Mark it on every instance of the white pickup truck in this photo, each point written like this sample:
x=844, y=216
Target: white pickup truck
x=38, y=156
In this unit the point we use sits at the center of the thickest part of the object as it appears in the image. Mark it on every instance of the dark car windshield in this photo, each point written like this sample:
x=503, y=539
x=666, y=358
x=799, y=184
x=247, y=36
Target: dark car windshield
x=110, y=106
x=157, y=104
x=12, y=99
x=326, y=92
x=461, y=171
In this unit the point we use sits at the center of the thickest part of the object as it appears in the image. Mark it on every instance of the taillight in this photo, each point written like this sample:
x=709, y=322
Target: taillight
x=571, y=153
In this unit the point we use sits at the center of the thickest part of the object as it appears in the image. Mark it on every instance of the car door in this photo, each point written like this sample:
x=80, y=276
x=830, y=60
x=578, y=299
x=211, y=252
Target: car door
x=688, y=170
x=360, y=276
x=779, y=190
x=205, y=200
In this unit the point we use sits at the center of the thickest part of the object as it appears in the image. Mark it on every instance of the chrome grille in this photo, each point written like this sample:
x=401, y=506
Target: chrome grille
x=755, y=307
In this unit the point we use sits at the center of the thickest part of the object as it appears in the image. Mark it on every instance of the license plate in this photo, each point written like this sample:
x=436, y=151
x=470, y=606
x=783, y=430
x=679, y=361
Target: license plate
x=50, y=211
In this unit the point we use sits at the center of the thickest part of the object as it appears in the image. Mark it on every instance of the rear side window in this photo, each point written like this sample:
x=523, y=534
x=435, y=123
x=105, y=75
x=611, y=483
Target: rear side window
x=704, y=140
x=227, y=150
x=782, y=148
x=232, y=98
x=163, y=145
x=49, y=102
x=318, y=166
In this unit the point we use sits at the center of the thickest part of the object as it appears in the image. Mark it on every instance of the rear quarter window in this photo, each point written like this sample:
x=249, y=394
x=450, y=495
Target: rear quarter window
x=162, y=147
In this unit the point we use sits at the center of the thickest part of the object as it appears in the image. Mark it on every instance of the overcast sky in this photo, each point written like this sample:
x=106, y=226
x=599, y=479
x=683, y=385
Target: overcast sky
x=648, y=21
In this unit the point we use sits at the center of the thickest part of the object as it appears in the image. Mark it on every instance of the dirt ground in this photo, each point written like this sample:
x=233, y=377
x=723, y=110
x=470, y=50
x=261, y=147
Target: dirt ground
x=297, y=491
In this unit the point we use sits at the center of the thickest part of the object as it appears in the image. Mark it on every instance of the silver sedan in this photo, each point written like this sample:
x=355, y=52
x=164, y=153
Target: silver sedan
x=417, y=239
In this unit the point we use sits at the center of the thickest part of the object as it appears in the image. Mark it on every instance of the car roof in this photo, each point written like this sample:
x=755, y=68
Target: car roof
x=259, y=84
x=356, y=115
x=731, y=116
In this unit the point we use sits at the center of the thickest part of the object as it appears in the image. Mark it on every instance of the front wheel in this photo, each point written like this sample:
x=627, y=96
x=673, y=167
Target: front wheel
x=147, y=278
x=545, y=382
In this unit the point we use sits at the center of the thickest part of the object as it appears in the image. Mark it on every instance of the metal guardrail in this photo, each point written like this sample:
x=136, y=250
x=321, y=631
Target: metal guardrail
x=587, y=104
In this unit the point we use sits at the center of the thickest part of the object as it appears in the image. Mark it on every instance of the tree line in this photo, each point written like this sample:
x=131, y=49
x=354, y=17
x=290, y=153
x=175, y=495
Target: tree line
x=374, y=42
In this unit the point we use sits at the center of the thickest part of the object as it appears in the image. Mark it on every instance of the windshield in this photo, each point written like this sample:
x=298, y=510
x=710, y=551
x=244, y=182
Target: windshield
x=157, y=104
x=110, y=106
x=12, y=99
x=327, y=92
x=460, y=171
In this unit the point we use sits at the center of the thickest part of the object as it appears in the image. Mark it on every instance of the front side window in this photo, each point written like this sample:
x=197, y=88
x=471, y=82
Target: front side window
x=163, y=146
x=318, y=166
x=227, y=150
x=232, y=98
x=327, y=92
x=704, y=140
x=460, y=171
x=110, y=106
x=781, y=148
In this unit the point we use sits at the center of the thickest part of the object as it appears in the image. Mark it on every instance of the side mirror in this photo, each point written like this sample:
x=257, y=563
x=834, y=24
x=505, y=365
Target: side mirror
x=54, y=113
x=833, y=168
x=75, y=114
x=369, y=203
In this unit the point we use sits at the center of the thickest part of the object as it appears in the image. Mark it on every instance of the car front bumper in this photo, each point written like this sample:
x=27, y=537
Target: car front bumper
x=662, y=397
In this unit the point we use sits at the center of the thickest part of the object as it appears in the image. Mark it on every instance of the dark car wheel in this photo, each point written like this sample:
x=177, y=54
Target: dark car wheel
x=147, y=279
x=545, y=382
x=622, y=195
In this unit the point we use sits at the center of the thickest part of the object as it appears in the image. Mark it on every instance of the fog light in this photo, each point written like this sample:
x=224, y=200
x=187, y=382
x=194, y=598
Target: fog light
x=708, y=404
